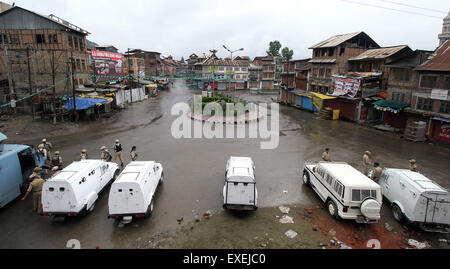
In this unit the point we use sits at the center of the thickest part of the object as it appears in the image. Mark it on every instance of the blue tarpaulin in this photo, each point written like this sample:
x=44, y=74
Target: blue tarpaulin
x=84, y=103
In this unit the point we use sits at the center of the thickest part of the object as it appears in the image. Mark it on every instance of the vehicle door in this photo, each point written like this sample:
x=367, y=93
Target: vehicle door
x=437, y=209
x=385, y=181
x=104, y=175
x=58, y=197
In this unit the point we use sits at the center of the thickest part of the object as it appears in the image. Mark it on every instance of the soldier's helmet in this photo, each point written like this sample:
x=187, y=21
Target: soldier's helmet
x=37, y=169
x=56, y=152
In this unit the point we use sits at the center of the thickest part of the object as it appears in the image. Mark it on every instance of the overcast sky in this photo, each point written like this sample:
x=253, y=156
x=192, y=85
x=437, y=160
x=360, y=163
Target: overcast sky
x=182, y=27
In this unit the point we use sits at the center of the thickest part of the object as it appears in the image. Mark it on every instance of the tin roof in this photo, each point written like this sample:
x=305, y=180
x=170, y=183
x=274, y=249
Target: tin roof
x=414, y=59
x=322, y=61
x=339, y=39
x=378, y=54
x=440, y=60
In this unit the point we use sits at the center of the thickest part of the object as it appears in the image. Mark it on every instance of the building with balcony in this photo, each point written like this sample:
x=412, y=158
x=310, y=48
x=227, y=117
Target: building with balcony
x=331, y=56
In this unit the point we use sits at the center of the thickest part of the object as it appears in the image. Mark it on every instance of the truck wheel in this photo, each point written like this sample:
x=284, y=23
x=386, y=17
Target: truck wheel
x=161, y=180
x=332, y=209
x=397, y=213
x=306, y=178
x=149, y=209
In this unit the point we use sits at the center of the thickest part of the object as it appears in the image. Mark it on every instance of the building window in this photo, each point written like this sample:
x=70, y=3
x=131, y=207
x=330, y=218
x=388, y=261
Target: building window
x=425, y=104
x=70, y=41
x=322, y=72
x=447, y=83
x=78, y=64
x=53, y=39
x=342, y=52
x=40, y=39
x=328, y=74
x=75, y=41
x=313, y=88
x=237, y=69
x=330, y=51
x=83, y=65
x=445, y=107
x=3, y=38
x=428, y=81
x=315, y=72
x=14, y=39
x=398, y=97
x=81, y=44
x=317, y=53
x=244, y=69
x=221, y=68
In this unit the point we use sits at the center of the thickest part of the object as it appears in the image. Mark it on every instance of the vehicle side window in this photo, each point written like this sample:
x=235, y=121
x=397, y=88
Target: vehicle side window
x=339, y=188
x=329, y=180
x=356, y=195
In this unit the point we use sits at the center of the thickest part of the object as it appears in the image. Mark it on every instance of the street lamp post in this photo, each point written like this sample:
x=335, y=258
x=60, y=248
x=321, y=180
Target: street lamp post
x=231, y=59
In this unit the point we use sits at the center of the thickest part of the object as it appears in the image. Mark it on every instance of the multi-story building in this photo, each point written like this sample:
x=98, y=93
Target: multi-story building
x=331, y=56
x=134, y=64
x=376, y=60
x=152, y=61
x=40, y=53
x=255, y=77
x=431, y=101
x=295, y=74
x=288, y=75
x=230, y=74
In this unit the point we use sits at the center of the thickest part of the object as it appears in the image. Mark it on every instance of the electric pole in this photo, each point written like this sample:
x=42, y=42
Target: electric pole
x=54, y=85
x=29, y=81
x=73, y=87
x=10, y=81
x=129, y=77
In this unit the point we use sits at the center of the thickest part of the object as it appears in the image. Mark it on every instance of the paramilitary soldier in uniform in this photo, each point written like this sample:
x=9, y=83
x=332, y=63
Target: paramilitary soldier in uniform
x=57, y=162
x=326, y=155
x=412, y=165
x=36, y=188
x=366, y=162
x=376, y=172
x=84, y=155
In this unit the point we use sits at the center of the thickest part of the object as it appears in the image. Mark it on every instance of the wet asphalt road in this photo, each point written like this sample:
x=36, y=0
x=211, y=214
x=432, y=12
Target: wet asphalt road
x=194, y=170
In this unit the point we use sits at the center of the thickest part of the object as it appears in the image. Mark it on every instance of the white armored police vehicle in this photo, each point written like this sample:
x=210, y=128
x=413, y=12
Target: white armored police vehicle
x=416, y=199
x=347, y=193
x=239, y=192
x=75, y=189
x=133, y=193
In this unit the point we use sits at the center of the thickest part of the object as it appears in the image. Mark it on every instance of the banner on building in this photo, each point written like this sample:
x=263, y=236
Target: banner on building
x=343, y=86
x=108, y=65
x=439, y=94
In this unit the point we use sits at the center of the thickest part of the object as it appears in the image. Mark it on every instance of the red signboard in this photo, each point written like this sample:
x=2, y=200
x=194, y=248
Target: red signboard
x=108, y=65
x=442, y=130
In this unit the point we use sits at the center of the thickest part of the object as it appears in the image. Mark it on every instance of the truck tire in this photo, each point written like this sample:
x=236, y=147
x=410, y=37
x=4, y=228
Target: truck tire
x=149, y=210
x=397, y=213
x=332, y=209
x=161, y=180
x=369, y=207
x=306, y=180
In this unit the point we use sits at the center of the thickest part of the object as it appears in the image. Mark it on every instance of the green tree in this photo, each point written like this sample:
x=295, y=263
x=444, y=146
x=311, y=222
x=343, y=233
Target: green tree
x=287, y=53
x=274, y=48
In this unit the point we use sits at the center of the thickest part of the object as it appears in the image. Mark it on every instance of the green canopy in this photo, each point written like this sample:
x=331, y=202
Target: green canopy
x=390, y=104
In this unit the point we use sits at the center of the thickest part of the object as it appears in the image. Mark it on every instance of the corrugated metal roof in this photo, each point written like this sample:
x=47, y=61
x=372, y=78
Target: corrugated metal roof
x=227, y=62
x=381, y=53
x=441, y=60
x=335, y=40
x=322, y=61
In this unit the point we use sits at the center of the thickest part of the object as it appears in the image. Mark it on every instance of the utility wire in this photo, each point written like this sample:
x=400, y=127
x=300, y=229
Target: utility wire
x=399, y=10
x=407, y=5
